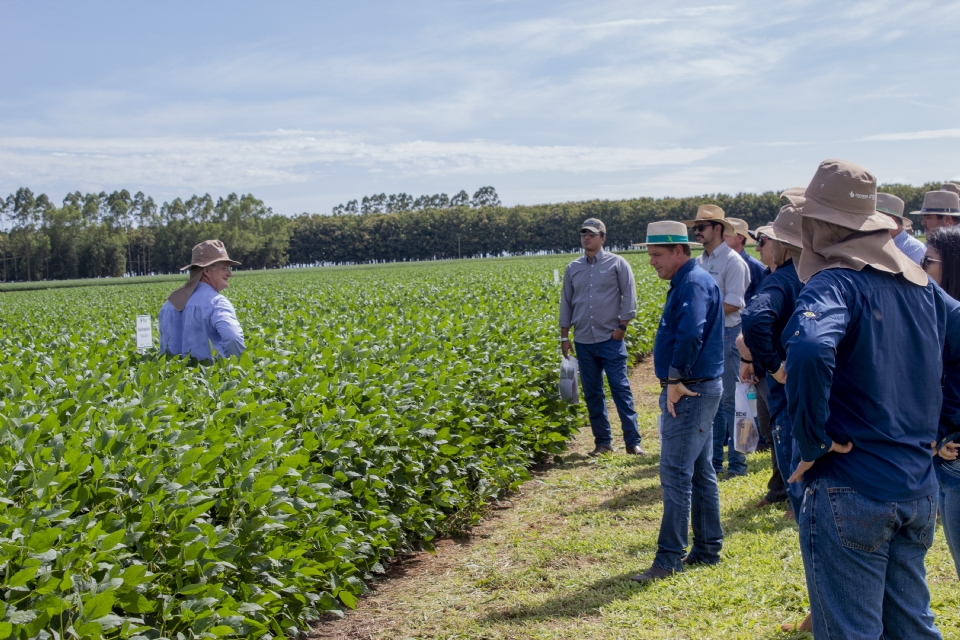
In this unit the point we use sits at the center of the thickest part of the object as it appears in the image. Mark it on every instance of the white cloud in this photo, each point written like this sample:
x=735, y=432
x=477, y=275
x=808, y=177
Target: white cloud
x=285, y=157
x=914, y=135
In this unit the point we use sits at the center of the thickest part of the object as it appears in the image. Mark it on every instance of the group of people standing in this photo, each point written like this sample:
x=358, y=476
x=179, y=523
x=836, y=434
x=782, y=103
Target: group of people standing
x=856, y=353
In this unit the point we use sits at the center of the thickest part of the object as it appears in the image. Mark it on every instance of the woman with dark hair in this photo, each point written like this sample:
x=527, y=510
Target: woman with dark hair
x=942, y=259
x=942, y=263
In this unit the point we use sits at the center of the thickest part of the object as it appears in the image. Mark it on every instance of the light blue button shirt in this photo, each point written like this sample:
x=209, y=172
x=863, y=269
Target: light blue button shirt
x=208, y=319
x=913, y=248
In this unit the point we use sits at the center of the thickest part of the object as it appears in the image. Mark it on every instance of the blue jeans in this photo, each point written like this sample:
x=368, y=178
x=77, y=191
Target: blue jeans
x=724, y=420
x=949, y=477
x=690, y=491
x=786, y=450
x=594, y=360
x=863, y=562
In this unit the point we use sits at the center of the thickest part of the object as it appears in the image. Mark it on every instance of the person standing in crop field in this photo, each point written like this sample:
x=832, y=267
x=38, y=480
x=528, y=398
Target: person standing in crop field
x=731, y=274
x=688, y=360
x=599, y=299
x=864, y=412
x=197, y=315
x=940, y=208
x=893, y=206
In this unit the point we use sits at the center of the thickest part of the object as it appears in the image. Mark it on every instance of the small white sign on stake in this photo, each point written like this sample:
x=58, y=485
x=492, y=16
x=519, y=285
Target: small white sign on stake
x=144, y=333
x=556, y=276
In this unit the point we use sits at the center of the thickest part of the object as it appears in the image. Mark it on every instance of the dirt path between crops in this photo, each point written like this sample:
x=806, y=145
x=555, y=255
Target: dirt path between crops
x=380, y=614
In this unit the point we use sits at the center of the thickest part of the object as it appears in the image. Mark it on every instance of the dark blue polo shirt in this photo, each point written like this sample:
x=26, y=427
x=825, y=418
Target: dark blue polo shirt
x=757, y=274
x=764, y=319
x=864, y=362
x=689, y=343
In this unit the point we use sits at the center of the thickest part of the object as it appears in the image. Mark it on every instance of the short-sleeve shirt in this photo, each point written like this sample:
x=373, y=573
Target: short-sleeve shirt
x=730, y=273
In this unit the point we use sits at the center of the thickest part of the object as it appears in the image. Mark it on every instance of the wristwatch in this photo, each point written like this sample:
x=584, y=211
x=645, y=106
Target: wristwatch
x=622, y=327
x=564, y=339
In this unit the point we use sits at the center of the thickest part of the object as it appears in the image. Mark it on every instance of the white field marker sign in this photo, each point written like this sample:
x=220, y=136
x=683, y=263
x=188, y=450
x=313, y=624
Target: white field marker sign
x=144, y=333
x=556, y=277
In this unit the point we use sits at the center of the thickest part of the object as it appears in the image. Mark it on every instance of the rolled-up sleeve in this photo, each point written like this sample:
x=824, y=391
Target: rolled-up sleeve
x=811, y=338
x=691, y=319
x=758, y=322
x=736, y=279
x=224, y=321
x=566, y=300
x=628, y=291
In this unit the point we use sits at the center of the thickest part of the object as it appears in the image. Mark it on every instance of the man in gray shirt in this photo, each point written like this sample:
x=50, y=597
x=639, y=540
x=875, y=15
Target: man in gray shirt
x=599, y=300
x=733, y=277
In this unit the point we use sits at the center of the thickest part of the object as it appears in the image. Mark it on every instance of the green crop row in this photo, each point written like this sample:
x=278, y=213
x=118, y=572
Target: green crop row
x=373, y=410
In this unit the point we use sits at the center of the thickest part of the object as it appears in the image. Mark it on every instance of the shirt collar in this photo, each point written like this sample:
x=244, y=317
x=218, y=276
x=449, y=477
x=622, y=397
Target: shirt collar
x=719, y=252
x=682, y=272
x=596, y=258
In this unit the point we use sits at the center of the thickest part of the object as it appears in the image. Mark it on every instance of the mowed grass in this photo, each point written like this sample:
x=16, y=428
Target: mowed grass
x=557, y=564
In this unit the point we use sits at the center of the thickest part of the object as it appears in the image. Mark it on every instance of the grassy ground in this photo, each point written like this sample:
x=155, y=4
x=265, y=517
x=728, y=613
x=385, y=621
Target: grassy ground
x=556, y=563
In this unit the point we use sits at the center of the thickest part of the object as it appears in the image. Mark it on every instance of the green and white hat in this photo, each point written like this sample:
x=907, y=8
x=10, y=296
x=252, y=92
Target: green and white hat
x=669, y=232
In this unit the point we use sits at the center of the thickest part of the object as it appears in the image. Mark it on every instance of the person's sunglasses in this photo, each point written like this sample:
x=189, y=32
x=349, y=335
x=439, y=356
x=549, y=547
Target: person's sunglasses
x=700, y=227
x=585, y=232
x=762, y=241
x=927, y=261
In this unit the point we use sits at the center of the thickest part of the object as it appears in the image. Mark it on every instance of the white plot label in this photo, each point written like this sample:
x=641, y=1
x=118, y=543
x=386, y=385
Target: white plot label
x=556, y=276
x=144, y=332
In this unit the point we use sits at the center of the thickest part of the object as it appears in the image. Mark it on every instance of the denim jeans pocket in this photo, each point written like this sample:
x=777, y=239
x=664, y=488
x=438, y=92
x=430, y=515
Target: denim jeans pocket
x=952, y=467
x=862, y=523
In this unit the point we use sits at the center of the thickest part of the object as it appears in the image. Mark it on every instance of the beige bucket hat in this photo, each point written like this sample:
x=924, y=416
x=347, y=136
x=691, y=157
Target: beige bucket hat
x=939, y=203
x=711, y=213
x=890, y=204
x=841, y=228
x=786, y=227
x=207, y=253
x=952, y=187
x=740, y=228
x=844, y=194
x=204, y=254
x=669, y=232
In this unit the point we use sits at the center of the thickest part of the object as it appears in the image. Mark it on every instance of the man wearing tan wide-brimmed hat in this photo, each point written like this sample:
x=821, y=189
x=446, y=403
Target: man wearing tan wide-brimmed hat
x=731, y=274
x=940, y=209
x=864, y=359
x=196, y=315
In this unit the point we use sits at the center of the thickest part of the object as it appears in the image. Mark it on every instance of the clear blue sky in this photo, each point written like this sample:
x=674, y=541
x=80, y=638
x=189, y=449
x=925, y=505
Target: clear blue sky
x=310, y=104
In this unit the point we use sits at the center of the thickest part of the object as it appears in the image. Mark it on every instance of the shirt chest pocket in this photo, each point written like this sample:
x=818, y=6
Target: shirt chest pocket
x=604, y=280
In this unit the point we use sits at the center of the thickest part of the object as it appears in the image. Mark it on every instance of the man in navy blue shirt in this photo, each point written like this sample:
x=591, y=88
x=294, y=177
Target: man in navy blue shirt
x=764, y=318
x=688, y=359
x=864, y=358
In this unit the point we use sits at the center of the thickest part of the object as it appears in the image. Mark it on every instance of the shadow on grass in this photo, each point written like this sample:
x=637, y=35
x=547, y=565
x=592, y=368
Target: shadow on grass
x=577, y=604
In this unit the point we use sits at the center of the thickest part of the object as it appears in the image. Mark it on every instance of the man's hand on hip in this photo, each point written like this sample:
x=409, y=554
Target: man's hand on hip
x=676, y=392
x=804, y=466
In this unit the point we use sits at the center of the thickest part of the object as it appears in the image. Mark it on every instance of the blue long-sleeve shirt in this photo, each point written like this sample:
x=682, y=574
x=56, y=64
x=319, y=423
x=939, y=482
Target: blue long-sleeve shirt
x=689, y=342
x=207, y=319
x=864, y=363
x=757, y=274
x=764, y=319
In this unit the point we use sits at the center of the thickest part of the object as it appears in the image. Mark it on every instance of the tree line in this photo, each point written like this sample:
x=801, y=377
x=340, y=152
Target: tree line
x=110, y=235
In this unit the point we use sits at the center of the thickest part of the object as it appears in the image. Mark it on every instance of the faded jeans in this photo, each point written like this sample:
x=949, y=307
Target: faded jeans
x=724, y=420
x=948, y=474
x=863, y=562
x=594, y=360
x=690, y=491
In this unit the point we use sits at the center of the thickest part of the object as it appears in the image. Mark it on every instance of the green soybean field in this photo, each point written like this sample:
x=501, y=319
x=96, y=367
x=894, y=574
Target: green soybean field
x=375, y=409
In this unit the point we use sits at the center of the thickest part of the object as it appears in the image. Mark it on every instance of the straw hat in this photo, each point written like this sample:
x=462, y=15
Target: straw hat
x=786, y=228
x=710, y=213
x=669, y=232
x=890, y=204
x=939, y=203
x=844, y=194
x=841, y=228
x=762, y=231
x=207, y=253
x=740, y=228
